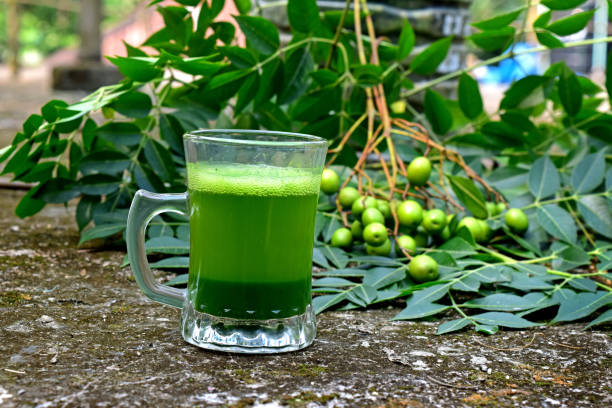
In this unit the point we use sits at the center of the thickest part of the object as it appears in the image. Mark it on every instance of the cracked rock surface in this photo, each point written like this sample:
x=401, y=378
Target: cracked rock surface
x=75, y=331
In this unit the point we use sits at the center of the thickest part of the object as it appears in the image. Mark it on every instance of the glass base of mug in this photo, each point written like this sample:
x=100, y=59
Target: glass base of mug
x=248, y=336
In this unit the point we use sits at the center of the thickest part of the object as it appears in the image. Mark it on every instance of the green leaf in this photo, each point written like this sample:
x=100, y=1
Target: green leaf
x=609, y=73
x=561, y=4
x=197, y=66
x=84, y=210
x=335, y=255
x=320, y=303
x=42, y=171
x=581, y=305
x=470, y=100
x=467, y=192
x=367, y=74
x=175, y=262
x=262, y=34
x=420, y=310
x=521, y=89
x=485, y=328
x=498, y=21
x=603, y=318
x=544, y=178
x=332, y=225
x=589, y=173
x=57, y=190
x=503, y=319
x=271, y=74
x=457, y=247
x=100, y=231
x=429, y=295
x=542, y=19
x=227, y=78
x=428, y=60
x=597, y=213
x=437, y=112
x=179, y=280
x=453, y=325
x=139, y=69
x=104, y=162
x=557, y=222
x=49, y=110
x=167, y=245
x=243, y=6
x=303, y=15
x=548, y=40
x=380, y=277
x=120, y=133
x=133, y=104
x=362, y=295
x=240, y=57
x=332, y=282
x=319, y=259
x=159, y=159
x=296, y=70
x=223, y=30
x=98, y=184
x=247, y=92
x=405, y=44
x=503, y=302
x=571, y=24
x=272, y=117
x=570, y=92
x=29, y=205
x=494, y=40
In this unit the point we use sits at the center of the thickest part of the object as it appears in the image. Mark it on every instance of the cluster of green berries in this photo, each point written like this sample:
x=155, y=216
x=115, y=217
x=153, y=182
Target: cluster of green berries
x=417, y=225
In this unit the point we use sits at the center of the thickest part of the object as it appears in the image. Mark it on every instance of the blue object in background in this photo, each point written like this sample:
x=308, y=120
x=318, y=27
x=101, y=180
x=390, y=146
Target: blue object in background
x=510, y=70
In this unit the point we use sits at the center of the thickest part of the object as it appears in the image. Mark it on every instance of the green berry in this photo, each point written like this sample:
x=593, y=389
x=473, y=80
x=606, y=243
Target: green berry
x=330, y=182
x=381, y=250
x=360, y=204
x=342, y=237
x=347, y=196
x=423, y=268
x=517, y=221
x=375, y=234
x=384, y=207
x=407, y=243
x=418, y=171
x=357, y=229
x=371, y=215
x=410, y=213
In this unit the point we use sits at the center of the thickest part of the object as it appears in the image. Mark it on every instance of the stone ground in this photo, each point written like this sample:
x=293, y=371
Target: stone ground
x=76, y=331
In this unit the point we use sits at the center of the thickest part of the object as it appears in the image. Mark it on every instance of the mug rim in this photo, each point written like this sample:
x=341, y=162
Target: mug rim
x=244, y=137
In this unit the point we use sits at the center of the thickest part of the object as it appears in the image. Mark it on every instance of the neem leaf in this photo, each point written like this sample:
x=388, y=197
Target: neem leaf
x=420, y=310
x=167, y=245
x=557, y=222
x=320, y=303
x=493, y=40
x=100, y=231
x=437, y=112
x=503, y=302
x=582, y=305
x=428, y=60
x=453, y=325
x=141, y=69
x=303, y=15
x=262, y=34
x=603, y=318
x=609, y=73
x=544, y=178
x=521, y=89
x=499, y=21
x=470, y=100
x=297, y=67
x=589, y=173
x=243, y=6
x=597, y=213
x=571, y=24
x=405, y=43
x=467, y=192
x=561, y=4
x=503, y=319
x=548, y=40
x=570, y=92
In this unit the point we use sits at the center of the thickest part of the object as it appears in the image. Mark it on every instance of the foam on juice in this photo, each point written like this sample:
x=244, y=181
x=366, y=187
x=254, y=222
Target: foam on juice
x=253, y=180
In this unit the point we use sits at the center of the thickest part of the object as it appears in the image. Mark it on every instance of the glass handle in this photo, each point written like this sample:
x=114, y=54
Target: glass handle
x=144, y=207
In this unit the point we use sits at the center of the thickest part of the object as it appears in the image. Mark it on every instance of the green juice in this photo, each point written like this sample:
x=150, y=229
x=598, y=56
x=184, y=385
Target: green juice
x=251, y=239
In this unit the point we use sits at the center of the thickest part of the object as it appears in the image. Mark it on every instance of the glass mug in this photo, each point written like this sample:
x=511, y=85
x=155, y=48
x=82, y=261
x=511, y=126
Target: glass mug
x=251, y=201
